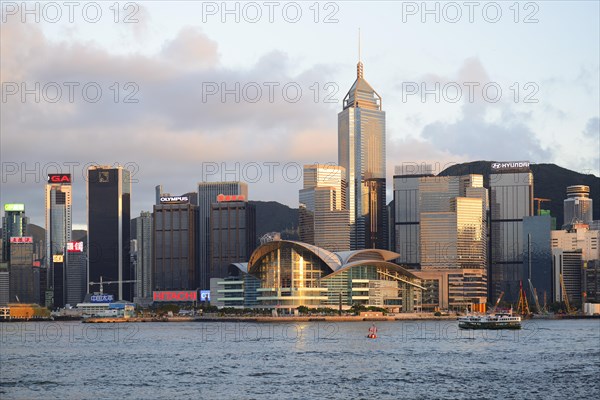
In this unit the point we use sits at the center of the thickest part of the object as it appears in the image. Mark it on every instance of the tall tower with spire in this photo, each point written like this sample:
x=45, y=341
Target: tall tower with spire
x=361, y=151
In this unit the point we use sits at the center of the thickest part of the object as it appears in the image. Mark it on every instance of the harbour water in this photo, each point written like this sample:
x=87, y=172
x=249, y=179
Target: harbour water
x=417, y=360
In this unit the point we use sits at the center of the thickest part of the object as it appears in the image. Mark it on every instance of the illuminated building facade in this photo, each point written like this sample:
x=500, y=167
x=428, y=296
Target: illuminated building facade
x=14, y=224
x=207, y=195
x=511, y=199
x=323, y=218
x=286, y=274
x=58, y=228
x=232, y=233
x=578, y=207
x=361, y=152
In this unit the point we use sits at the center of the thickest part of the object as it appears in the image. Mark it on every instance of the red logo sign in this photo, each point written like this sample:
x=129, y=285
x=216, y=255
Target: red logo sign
x=21, y=239
x=187, y=295
x=59, y=178
x=74, y=247
x=234, y=197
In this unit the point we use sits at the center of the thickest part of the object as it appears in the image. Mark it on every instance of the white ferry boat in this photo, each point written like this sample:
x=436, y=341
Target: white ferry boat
x=491, y=321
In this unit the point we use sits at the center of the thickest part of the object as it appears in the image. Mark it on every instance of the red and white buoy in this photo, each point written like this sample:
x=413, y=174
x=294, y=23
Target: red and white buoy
x=372, y=332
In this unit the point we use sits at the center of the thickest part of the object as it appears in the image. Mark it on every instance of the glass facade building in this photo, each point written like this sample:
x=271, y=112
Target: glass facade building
x=58, y=231
x=441, y=226
x=578, y=207
x=511, y=199
x=361, y=151
x=141, y=231
x=21, y=276
x=324, y=220
x=537, y=256
x=286, y=274
x=232, y=235
x=75, y=277
x=14, y=224
x=207, y=195
x=109, y=224
x=175, y=247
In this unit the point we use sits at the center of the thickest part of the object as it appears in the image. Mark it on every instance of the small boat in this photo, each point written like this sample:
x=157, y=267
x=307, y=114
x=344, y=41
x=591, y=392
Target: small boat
x=492, y=321
x=372, y=332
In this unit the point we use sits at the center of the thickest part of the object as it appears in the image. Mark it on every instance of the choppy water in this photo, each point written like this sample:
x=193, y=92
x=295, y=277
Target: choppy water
x=417, y=360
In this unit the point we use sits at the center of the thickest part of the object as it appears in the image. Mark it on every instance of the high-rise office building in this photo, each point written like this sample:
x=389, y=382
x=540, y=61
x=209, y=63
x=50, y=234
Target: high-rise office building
x=75, y=273
x=407, y=213
x=59, y=280
x=441, y=227
x=361, y=152
x=141, y=232
x=578, y=205
x=108, y=240
x=232, y=233
x=14, y=224
x=324, y=220
x=537, y=256
x=207, y=195
x=22, y=285
x=175, y=254
x=4, y=284
x=58, y=225
x=573, y=251
x=511, y=199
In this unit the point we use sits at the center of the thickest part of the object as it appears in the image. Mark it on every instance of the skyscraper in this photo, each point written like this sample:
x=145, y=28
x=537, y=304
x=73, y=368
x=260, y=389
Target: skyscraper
x=22, y=285
x=141, y=232
x=58, y=226
x=361, y=151
x=511, y=199
x=108, y=207
x=441, y=228
x=407, y=215
x=577, y=205
x=323, y=216
x=14, y=224
x=175, y=244
x=75, y=273
x=207, y=195
x=232, y=233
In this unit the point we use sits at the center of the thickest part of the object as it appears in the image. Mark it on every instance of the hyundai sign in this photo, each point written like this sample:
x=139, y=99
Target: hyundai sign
x=175, y=295
x=101, y=298
x=510, y=166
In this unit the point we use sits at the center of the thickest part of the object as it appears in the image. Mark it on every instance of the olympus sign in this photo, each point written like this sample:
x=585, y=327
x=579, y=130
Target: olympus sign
x=174, y=199
x=521, y=165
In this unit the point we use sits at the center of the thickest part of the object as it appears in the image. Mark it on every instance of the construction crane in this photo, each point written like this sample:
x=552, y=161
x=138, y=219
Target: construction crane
x=523, y=306
x=540, y=200
x=566, y=296
x=535, y=297
x=493, y=310
x=102, y=283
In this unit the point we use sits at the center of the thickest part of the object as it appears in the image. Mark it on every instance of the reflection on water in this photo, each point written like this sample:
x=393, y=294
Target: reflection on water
x=424, y=359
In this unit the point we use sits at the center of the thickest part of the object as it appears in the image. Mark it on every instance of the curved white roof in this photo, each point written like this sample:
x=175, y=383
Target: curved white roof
x=356, y=255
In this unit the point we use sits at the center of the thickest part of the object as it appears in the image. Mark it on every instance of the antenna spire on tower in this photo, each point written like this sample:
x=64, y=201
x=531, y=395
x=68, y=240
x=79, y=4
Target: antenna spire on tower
x=359, y=66
x=358, y=44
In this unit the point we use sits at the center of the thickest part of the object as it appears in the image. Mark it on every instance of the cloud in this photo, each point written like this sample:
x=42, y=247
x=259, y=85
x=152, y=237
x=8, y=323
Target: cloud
x=485, y=129
x=592, y=128
x=173, y=128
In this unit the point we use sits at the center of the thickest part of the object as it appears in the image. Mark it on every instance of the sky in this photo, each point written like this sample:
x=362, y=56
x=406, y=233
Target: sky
x=185, y=92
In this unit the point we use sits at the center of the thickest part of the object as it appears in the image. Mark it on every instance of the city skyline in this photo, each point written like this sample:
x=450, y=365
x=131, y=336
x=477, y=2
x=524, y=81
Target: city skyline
x=180, y=132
